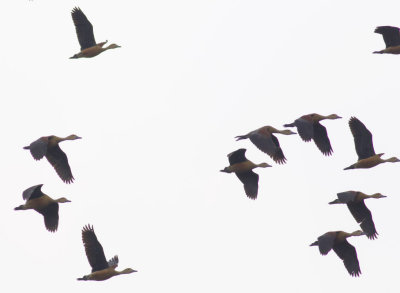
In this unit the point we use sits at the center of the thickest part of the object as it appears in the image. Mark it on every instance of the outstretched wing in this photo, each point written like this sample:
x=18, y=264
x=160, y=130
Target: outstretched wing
x=363, y=216
x=268, y=144
x=84, y=29
x=321, y=139
x=58, y=159
x=94, y=250
x=391, y=35
x=362, y=139
x=305, y=129
x=250, y=182
x=50, y=214
x=346, y=252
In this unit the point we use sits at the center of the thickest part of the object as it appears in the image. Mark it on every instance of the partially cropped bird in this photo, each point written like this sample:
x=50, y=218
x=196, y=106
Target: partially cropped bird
x=309, y=128
x=265, y=141
x=391, y=36
x=48, y=146
x=84, y=31
x=337, y=240
x=365, y=148
x=101, y=268
x=355, y=202
x=242, y=167
x=43, y=204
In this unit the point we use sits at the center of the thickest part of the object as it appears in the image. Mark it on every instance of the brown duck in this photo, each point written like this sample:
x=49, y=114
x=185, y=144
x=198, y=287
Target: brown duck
x=43, y=204
x=84, y=31
x=337, y=240
x=365, y=148
x=355, y=202
x=101, y=268
x=242, y=167
x=309, y=129
x=48, y=146
x=265, y=141
x=391, y=36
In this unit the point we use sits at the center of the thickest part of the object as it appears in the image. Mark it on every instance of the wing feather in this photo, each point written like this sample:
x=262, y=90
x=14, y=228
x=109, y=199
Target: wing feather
x=94, y=250
x=84, y=29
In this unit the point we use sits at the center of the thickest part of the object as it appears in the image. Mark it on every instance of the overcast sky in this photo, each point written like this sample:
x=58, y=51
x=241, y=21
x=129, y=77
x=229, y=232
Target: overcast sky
x=158, y=117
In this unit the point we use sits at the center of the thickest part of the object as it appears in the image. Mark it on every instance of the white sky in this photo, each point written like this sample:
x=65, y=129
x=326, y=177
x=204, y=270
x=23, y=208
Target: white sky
x=158, y=117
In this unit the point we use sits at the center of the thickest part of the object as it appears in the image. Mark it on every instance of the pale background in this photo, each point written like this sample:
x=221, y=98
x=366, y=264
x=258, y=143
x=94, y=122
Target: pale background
x=158, y=117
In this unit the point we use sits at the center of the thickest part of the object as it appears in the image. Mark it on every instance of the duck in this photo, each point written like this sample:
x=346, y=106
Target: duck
x=242, y=167
x=310, y=128
x=337, y=240
x=365, y=148
x=84, y=31
x=47, y=146
x=355, y=202
x=391, y=36
x=43, y=204
x=101, y=268
x=266, y=142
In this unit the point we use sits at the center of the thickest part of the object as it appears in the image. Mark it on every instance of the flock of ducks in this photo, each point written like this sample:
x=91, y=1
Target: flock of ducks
x=48, y=146
x=308, y=127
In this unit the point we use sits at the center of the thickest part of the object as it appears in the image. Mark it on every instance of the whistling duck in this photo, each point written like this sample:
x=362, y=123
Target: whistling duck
x=391, y=36
x=84, y=31
x=101, y=269
x=265, y=141
x=43, y=204
x=242, y=167
x=355, y=203
x=309, y=128
x=365, y=148
x=48, y=146
x=336, y=240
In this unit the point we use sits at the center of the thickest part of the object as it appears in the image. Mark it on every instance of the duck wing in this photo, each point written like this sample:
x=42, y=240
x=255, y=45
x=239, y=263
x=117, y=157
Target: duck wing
x=58, y=159
x=94, y=250
x=250, y=182
x=84, y=29
x=346, y=252
x=50, y=214
x=321, y=139
x=362, y=139
x=390, y=34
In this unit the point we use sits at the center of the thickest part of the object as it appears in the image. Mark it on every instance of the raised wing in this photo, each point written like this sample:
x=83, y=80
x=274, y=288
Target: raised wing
x=32, y=192
x=347, y=196
x=94, y=250
x=391, y=35
x=84, y=29
x=237, y=156
x=113, y=262
x=58, y=159
x=362, y=139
